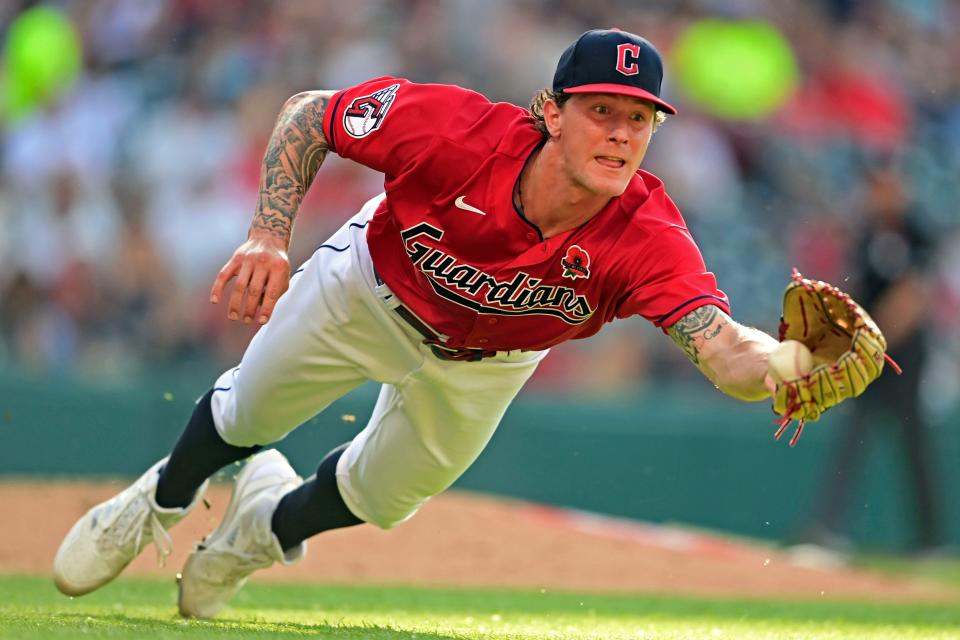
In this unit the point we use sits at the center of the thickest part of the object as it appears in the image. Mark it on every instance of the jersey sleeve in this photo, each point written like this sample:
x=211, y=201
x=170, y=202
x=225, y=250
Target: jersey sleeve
x=388, y=123
x=672, y=281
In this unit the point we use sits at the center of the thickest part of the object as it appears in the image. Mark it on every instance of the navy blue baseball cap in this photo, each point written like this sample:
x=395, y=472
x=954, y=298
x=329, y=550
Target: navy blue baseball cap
x=612, y=61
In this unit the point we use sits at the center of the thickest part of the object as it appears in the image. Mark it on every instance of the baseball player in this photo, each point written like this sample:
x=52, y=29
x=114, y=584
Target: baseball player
x=502, y=232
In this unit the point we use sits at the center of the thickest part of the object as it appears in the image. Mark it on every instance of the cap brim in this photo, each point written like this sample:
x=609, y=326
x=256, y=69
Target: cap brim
x=623, y=90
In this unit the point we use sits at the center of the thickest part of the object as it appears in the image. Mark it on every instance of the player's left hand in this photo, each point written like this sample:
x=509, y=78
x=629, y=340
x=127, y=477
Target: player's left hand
x=847, y=346
x=262, y=271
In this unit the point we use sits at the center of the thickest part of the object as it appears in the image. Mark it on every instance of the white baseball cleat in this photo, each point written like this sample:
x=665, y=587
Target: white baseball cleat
x=110, y=535
x=219, y=565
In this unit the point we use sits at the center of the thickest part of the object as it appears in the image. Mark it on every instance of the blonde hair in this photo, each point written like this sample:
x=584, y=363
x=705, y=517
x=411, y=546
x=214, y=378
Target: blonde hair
x=559, y=97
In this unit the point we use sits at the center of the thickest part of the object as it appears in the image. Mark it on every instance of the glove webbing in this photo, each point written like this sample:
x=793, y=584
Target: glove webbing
x=792, y=392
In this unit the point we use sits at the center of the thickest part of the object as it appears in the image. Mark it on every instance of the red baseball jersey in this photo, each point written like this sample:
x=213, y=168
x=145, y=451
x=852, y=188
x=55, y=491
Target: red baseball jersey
x=449, y=241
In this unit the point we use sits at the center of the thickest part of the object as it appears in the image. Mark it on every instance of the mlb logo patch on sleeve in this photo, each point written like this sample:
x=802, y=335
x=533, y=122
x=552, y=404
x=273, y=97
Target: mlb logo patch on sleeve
x=365, y=114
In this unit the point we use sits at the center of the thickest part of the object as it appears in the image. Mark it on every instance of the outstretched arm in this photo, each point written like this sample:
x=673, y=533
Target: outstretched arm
x=260, y=265
x=733, y=357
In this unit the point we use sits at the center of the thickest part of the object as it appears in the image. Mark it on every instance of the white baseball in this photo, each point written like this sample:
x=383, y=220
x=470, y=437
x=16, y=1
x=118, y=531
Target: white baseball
x=789, y=361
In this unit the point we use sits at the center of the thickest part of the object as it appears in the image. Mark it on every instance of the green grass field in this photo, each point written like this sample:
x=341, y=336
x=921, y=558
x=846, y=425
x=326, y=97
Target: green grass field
x=31, y=608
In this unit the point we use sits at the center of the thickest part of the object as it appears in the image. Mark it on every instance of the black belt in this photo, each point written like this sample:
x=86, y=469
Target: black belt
x=439, y=349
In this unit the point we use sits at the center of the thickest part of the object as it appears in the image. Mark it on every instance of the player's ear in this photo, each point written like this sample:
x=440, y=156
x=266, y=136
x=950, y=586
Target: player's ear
x=551, y=117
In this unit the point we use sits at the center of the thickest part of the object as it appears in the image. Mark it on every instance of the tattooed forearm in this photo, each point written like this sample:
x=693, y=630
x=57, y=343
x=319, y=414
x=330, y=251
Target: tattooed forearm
x=701, y=324
x=295, y=152
x=733, y=357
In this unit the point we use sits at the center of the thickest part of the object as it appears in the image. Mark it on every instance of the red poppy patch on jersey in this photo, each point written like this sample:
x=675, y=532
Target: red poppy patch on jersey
x=576, y=264
x=366, y=113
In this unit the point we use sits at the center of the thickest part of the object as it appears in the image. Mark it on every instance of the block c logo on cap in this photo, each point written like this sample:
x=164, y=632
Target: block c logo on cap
x=623, y=51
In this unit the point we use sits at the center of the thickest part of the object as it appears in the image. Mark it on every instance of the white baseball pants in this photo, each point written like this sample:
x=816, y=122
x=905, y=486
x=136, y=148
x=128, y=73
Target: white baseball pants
x=333, y=330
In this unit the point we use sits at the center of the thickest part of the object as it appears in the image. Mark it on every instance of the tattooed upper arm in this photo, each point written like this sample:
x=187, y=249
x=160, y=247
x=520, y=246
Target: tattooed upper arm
x=294, y=153
x=693, y=330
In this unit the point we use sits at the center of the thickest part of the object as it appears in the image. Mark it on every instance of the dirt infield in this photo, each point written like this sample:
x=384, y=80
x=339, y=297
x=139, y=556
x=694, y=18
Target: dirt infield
x=472, y=540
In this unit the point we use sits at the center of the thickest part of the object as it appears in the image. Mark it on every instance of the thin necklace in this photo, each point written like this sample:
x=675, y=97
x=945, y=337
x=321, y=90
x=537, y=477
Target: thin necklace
x=520, y=196
x=523, y=170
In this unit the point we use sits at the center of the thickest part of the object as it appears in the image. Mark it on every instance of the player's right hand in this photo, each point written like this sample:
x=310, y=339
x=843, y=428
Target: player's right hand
x=262, y=271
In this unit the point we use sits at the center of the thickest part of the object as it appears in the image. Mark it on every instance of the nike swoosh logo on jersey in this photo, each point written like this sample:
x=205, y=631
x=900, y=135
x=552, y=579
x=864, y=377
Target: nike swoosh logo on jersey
x=466, y=207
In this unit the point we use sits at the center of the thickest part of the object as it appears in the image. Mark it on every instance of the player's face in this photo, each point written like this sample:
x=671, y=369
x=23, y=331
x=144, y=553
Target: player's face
x=603, y=138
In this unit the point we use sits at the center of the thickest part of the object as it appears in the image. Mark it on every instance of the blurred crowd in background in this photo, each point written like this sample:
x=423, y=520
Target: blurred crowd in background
x=122, y=197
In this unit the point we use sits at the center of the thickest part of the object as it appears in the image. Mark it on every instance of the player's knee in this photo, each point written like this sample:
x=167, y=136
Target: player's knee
x=242, y=438
x=247, y=429
x=382, y=511
x=388, y=518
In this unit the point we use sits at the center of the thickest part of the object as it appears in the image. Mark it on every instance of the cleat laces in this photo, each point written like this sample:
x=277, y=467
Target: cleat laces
x=130, y=526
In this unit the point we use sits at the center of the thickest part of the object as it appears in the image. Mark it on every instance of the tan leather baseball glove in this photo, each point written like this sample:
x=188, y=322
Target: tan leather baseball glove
x=847, y=346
